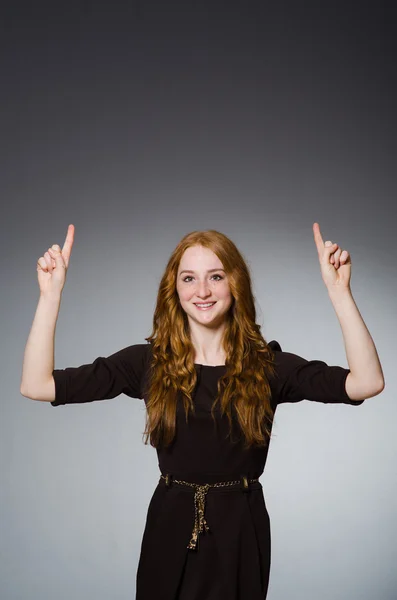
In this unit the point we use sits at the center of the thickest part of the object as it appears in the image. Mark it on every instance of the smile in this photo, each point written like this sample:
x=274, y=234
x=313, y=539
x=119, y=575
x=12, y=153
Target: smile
x=205, y=306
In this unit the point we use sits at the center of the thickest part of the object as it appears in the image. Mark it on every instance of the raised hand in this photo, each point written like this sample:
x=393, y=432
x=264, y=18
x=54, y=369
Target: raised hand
x=52, y=267
x=335, y=264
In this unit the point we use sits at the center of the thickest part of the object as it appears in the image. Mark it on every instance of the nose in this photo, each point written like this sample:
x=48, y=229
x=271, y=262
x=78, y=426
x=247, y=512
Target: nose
x=203, y=289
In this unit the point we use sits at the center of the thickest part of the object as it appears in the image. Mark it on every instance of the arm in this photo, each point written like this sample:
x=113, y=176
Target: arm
x=366, y=376
x=106, y=377
x=38, y=363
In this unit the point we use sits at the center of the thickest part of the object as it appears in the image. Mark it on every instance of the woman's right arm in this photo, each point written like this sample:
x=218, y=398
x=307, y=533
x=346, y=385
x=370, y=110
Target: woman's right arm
x=38, y=364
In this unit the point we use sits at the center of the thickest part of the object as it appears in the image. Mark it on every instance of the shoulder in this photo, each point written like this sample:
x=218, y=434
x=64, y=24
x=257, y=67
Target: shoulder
x=136, y=355
x=275, y=346
x=133, y=362
x=287, y=362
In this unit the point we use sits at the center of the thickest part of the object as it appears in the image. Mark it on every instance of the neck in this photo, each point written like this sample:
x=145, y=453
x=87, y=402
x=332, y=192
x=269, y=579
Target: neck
x=208, y=345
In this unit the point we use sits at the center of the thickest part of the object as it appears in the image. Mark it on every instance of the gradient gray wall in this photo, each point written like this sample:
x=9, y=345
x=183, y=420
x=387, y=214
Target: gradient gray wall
x=139, y=124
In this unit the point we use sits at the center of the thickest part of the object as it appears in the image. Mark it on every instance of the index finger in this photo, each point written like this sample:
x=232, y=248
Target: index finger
x=67, y=247
x=318, y=237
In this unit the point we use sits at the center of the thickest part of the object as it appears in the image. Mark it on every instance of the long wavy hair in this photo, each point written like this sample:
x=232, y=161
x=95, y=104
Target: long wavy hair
x=243, y=391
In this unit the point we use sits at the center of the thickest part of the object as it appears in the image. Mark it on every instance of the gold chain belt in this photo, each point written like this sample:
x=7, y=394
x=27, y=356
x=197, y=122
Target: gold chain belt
x=200, y=524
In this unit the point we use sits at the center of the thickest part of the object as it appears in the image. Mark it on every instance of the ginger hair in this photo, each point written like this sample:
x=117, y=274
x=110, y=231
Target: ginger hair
x=244, y=390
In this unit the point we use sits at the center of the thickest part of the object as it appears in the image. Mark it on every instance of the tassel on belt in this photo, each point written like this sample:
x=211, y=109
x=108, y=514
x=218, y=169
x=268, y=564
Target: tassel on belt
x=200, y=524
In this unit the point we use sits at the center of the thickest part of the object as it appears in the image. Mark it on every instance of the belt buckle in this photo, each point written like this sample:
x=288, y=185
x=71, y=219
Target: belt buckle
x=244, y=483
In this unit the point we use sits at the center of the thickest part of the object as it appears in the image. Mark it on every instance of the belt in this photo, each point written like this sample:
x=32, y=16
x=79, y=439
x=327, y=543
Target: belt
x=200, y=524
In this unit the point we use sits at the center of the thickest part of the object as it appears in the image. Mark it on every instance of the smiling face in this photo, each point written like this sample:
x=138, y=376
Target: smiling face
x=201, y=279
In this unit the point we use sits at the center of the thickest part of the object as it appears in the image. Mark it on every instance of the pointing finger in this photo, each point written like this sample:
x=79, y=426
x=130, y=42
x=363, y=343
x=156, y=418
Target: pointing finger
x=318, y=237
x=67, y=247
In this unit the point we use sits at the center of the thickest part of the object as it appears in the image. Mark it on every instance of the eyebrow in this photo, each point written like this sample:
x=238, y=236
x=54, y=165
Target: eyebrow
x=209, y=271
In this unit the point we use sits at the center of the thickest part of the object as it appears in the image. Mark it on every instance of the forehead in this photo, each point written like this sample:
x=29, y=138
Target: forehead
x=197, y=257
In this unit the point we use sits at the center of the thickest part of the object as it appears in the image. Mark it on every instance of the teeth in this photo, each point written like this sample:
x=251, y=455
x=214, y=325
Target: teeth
x=204, y=305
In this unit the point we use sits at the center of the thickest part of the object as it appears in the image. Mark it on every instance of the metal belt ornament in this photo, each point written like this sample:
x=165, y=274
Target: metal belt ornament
x=200, y=524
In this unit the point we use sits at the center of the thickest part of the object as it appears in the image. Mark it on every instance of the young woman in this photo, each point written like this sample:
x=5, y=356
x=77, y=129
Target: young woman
x=211, y=385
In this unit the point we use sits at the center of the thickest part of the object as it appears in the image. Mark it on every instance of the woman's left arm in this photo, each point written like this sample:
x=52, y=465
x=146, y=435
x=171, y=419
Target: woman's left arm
x=366, y=376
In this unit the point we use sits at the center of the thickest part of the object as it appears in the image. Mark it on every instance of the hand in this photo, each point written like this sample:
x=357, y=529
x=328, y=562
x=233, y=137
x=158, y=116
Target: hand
x=52, y=267
x=335, y=264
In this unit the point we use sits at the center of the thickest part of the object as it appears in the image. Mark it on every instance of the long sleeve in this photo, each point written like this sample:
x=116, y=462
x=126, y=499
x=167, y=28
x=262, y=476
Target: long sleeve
x=300, y=379
x=106, y=377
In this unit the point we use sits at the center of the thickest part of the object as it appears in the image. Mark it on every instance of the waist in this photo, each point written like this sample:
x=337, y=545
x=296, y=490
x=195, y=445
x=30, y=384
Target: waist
x=209, y=477
x=210, y=482
x=242, y=484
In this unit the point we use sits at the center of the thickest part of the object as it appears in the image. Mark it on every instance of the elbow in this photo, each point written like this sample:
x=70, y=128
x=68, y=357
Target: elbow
x=25, y=393
x=381, y=387
x=357, y=390
x=43, y=393
x=375, y=391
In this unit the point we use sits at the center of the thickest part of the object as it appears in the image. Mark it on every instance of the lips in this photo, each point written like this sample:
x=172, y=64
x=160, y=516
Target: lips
x=205, y=307
x=204, y=303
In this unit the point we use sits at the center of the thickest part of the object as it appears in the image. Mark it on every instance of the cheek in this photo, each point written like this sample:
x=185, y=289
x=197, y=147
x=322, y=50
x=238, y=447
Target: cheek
x=225, y=293
x=185, y=294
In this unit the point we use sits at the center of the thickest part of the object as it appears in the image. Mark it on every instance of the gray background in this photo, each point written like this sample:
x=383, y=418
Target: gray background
x=142, y=122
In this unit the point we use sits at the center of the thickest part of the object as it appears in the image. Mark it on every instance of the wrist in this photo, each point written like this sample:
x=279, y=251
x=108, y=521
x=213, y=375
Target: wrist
x=341, y=299
x=50, y=297
x=339, y=292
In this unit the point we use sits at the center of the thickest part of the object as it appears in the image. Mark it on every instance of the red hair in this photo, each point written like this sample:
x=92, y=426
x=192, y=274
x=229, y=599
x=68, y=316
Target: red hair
x=244, y=388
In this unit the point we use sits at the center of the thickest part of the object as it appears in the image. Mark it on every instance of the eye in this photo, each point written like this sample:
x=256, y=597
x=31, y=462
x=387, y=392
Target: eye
x=214, y=275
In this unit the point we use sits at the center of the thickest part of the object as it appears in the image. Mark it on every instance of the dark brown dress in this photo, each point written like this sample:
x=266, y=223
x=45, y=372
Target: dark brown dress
x=232, y=560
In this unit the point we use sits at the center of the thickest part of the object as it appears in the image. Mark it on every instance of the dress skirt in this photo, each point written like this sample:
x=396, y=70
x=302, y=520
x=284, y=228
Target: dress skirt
x=231, y=560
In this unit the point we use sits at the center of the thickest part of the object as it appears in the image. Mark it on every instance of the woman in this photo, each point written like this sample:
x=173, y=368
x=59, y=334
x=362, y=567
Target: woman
x=211, y=385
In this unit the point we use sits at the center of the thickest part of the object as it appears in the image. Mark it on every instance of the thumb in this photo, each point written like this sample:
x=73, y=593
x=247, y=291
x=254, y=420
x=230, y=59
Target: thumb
x=57, y=255
x=329, y=248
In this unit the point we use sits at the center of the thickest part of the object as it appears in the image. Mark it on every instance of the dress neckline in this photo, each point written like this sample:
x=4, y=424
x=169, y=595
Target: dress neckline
x=209, y=366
